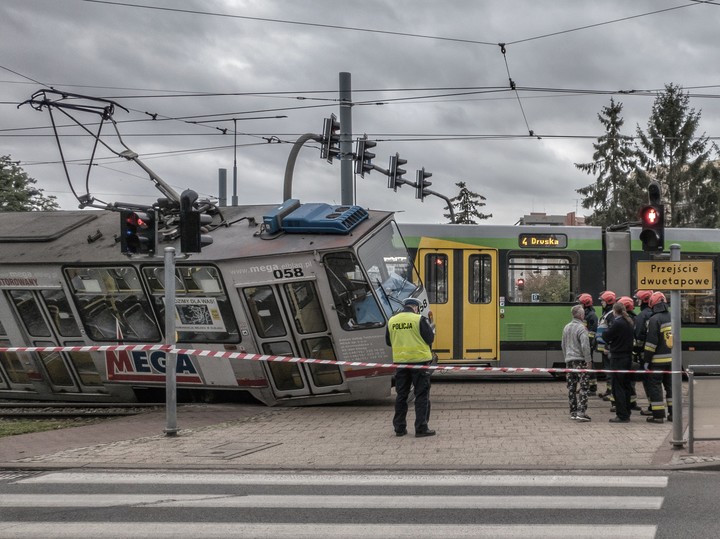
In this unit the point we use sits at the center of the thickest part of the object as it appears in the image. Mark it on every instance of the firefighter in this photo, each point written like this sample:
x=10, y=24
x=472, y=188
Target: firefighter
x=658, y=357
x=642, y=297
x=629, y=304
x=607, y=300
x=591, y=323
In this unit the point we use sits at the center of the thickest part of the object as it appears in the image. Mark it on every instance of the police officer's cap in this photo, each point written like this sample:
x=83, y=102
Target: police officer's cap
x=410, y=302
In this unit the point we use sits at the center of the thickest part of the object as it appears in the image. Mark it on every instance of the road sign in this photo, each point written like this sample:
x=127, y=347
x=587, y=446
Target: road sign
x=671, y=275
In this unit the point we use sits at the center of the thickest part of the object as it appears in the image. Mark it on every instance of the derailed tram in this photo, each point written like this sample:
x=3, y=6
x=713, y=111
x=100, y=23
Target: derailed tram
x=305, y=280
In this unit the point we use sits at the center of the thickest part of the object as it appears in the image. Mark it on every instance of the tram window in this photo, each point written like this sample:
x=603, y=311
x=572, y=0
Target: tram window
x=2, y=329
x=436, y=278
x=203, y=310
x=29, y=312
x=480, y=286
x=323, y=375
x=386, y=259
x=355, y=305
x=55, y=367
x=286, y=376
x=85, y=367
x=265, y=311
x=541, y=279
x=113, y=307
x=12, y=366
x=305, y=307
x=697, y=307
x=61, y=316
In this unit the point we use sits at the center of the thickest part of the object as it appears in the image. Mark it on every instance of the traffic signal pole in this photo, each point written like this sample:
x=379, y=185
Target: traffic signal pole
x=347, y=191
x=676, y=381
x=171, y=427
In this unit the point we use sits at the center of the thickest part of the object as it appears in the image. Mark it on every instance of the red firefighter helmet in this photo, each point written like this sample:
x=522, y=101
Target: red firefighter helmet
x=643, y=295
x=628, y=302
x=608, y=297
x=656, y=298
x=585, y=300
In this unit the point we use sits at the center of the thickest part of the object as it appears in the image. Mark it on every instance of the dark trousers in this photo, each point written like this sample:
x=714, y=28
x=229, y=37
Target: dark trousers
x=621, y=385
x=655, y=385
x=419, y=379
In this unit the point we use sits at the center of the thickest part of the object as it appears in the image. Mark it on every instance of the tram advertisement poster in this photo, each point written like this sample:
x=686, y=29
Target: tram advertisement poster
x=198, y=314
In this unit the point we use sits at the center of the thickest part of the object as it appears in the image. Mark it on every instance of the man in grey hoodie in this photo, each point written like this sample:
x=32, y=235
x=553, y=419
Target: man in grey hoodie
x=576, y=349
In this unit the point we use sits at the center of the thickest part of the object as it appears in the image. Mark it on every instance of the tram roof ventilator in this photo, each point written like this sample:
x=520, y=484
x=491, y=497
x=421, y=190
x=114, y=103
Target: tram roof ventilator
x=317, y=218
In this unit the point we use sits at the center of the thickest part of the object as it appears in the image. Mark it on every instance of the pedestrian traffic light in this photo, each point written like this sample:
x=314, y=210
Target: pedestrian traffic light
x=363, y=157
x=652, y=218
x=395, y=173
x=138, y=232
x=330, y=143
x=192, y=240
x=421, y=184
x=520, y=283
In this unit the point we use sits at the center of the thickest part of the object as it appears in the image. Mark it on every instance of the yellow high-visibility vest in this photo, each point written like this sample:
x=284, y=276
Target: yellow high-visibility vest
x=408, y=346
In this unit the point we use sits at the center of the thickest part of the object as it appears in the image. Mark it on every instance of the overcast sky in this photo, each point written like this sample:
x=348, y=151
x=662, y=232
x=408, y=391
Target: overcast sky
x=421, y=71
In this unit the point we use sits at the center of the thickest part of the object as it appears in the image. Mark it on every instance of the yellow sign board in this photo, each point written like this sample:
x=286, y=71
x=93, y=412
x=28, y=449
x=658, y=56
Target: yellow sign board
x=675, y=275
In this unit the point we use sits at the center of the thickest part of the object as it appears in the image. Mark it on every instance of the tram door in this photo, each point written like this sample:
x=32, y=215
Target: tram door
x=288, y=321
x=462, y=289
x=47, y=320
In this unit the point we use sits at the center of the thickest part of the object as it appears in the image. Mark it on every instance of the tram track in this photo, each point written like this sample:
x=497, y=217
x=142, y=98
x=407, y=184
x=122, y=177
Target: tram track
x=71, y=410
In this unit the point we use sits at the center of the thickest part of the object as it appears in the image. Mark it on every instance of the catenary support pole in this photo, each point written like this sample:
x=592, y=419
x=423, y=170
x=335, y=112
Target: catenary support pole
x=675, y=322
x=171, y=427
x=347, y=194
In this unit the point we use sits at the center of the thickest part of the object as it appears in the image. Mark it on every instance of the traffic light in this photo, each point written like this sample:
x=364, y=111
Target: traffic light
x=330, y=143
x=395, y=173
x=520, y=283
x=653, y=228
x=192, y=240
x=363, y=157
x=652, y=218
x=138, y=232
x=421, y=183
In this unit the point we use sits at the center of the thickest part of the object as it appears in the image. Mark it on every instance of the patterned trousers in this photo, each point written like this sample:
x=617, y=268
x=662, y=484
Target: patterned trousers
x=577, y=398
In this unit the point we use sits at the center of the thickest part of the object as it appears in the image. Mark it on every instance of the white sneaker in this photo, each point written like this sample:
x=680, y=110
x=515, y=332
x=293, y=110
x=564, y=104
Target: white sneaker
x=582, y=418
x=573, y=415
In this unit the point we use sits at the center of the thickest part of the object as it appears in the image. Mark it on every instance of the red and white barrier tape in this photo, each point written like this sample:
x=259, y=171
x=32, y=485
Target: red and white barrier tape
x=288, y=359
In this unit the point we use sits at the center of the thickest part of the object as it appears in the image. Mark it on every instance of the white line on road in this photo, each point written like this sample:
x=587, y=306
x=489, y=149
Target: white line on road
x=334, y=502
x=222, y=530
x=459, y=480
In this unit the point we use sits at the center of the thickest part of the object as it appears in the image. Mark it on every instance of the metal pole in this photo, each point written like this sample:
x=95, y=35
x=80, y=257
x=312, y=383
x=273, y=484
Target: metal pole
x=676, y=357
x=235, y=195
x=171, y=428
x=346, y=158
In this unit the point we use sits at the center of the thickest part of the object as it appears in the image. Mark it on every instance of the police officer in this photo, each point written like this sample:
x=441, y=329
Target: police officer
x=410, y=335
x=642, y=297
x=658, y=357
x=591, y=323
x=619, y=338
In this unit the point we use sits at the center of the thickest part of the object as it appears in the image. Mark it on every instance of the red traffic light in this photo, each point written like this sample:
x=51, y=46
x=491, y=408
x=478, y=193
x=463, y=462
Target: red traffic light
x=650, y=216
x=520, y=283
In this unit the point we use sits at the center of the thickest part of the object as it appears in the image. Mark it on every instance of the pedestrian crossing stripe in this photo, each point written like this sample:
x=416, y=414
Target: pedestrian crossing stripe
x=433, y=480
x=217, y=530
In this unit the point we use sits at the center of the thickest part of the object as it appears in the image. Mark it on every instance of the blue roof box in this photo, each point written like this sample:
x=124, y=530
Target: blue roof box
x=319, y=218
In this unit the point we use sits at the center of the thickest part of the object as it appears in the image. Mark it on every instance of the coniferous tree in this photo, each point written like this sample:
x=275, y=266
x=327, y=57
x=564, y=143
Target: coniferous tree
x=680, y=161
x=466, y=206
x=618, y=193
x=17, y=191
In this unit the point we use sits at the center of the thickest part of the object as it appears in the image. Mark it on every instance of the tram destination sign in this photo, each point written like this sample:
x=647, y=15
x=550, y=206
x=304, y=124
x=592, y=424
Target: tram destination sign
x=675, y=275
x=542, y=241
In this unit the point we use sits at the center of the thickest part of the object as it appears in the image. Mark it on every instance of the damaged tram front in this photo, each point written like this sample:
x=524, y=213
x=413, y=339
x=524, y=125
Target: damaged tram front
x=305, y=281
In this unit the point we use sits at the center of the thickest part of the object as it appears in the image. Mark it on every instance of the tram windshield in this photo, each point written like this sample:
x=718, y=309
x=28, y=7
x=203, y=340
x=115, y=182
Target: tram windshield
x=387, y=262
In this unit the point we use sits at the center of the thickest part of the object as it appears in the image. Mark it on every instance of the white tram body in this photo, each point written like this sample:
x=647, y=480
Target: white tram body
x=320, y=286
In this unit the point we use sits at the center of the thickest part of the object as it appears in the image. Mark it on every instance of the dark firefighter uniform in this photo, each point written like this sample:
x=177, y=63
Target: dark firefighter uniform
x=591, y=322
x=410, y=336
x=641, y=321
x=658, y=357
